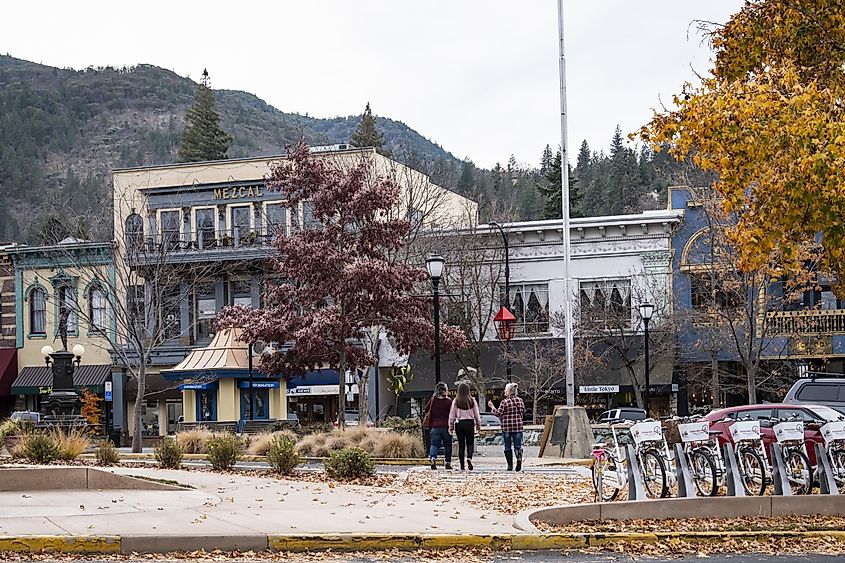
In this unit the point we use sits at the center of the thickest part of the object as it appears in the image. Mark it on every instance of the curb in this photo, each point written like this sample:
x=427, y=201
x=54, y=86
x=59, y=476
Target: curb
x=377, y=542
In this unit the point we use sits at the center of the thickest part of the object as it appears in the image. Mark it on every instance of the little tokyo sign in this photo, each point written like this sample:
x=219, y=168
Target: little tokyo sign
x=598, y=389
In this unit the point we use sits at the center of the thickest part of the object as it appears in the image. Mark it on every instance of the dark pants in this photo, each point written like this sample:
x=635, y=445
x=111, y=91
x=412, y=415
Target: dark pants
x=465, y=431
x=441, y=437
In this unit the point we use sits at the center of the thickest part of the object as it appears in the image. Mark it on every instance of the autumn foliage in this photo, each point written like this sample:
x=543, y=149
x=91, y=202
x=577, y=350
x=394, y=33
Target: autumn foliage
x=91, y=408
x=337, y=277
x=771, y=122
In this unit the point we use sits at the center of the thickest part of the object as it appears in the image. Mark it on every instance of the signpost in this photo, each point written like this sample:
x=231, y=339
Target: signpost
x=108, y=389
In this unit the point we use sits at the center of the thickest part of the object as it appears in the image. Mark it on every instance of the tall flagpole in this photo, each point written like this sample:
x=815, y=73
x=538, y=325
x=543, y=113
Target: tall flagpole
x=564, y=175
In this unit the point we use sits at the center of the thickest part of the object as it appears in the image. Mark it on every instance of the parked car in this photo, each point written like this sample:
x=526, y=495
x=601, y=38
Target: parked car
x=721, y=420
x=490, y=419
x=829, y=391
x=625, y=413
x=34, y=417
x=350, y=418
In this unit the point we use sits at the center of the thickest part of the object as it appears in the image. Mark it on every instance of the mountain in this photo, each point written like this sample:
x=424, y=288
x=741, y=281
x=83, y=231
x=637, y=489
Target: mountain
x=63, y=130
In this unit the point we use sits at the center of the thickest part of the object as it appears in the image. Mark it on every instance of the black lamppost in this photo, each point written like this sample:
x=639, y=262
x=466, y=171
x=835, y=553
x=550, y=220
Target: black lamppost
x=646, y=311
x=507, y=304
x=435, y=270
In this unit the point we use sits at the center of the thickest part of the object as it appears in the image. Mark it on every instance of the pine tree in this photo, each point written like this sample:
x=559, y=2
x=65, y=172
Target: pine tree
x=546, y=160
x=366, y=135
x=203, y=139
x=466, y=183
x=550, y=190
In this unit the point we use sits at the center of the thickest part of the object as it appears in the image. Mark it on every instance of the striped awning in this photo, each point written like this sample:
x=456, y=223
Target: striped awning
x=34, y=380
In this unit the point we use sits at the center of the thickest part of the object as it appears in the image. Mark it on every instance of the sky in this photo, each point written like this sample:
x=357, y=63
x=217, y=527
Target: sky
x=479, y=78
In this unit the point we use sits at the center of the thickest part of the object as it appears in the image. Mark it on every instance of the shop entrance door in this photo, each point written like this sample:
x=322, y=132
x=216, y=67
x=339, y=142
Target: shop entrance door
x=261, y=404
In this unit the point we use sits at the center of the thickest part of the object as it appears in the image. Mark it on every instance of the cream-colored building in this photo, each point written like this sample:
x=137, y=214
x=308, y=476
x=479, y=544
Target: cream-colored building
x=201, y=233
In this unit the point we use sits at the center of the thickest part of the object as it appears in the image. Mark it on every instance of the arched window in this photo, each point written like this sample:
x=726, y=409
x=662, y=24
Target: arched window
x=134, y=231
x=97, y=308
x=38, y=311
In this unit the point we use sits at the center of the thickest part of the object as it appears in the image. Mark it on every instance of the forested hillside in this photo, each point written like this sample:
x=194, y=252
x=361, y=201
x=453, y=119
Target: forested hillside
x=63, y=130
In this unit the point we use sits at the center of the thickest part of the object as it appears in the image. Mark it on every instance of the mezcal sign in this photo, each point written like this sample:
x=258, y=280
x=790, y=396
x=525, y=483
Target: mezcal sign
x=239, y=192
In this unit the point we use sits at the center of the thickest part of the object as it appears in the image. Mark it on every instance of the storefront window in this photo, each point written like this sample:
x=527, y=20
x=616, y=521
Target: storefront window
x=205, y=310
x=262, y=404
x=149, y=418
x=206, y=406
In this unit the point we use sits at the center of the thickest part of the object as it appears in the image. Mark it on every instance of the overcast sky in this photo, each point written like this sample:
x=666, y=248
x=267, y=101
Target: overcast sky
x=480, y=78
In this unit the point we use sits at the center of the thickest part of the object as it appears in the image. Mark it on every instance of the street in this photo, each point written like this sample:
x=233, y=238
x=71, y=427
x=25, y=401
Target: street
x=429, y=557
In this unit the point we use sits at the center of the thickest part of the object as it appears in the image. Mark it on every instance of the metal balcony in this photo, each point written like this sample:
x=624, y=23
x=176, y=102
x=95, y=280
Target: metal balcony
x=787, y=323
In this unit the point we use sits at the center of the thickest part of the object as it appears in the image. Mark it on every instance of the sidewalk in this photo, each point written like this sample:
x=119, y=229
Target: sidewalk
x=226, y=505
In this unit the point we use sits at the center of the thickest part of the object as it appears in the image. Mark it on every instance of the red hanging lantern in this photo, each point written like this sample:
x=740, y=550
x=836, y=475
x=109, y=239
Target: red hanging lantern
x=505, y=324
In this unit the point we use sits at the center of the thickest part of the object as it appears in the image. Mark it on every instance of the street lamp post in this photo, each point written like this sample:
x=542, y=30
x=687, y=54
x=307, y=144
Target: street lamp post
x=251, y=387
x=507, y=304
x=434, y=264
x=646, y=312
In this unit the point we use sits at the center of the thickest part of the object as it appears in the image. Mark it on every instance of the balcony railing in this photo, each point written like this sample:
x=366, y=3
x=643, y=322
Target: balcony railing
x=787, y=323
x=202, y=240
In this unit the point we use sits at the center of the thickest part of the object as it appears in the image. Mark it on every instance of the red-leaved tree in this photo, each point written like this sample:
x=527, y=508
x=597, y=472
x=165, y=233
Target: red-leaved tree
x=338, y=277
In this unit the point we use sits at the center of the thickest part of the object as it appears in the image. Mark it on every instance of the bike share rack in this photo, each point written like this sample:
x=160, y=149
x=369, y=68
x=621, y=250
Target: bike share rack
x=733, y=479
x=779, y=474
x=827, y=484
x=636, y=487
x=686, y=488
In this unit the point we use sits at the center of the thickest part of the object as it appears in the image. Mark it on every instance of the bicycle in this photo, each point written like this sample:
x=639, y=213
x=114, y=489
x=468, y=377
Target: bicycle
x=750, y=455
x=789, y=434
x=609, y=468
x=698, y=450
x=652, y=455
x=833, y=434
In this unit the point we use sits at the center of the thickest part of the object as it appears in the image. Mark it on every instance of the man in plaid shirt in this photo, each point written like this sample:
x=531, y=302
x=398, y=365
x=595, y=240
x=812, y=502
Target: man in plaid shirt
x=510, y=413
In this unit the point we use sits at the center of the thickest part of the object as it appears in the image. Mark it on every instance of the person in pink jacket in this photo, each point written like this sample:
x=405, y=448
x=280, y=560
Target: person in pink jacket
x=463, y=420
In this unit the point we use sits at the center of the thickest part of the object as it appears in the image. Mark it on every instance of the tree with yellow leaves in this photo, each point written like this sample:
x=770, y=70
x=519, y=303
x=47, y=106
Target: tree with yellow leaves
x=91, y=407
x=770, y=120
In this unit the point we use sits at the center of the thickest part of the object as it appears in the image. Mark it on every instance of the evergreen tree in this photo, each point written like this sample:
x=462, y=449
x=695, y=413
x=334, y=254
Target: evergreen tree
x=366, y=135
x=550, y=190
x=203, y=139
x=466, y=183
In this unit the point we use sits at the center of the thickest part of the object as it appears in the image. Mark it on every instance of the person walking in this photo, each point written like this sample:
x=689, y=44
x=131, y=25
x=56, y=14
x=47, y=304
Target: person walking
x=510, y=413
x=464, y=418
x=437, y=419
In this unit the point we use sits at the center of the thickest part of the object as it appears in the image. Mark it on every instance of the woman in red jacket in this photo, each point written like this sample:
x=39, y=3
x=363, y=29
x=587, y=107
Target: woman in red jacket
x=437, y=412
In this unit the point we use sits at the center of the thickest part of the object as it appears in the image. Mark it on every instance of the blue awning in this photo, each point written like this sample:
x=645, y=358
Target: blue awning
x=198, y=386
x=244, y=384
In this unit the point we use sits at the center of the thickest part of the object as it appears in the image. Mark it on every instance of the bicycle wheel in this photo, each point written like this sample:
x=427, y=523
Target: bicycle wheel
x=798, y=472
x=703, y=469
x=654, y=474
x=837, y=465
x=752, y=471
x=604, y=480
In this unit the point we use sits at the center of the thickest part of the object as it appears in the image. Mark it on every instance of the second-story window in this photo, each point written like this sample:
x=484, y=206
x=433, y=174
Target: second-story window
x=530, y=305
x=67, y=302
x=308, y=220
x=169, y=311
x=276, y=219
x=38, y=311
x=241, y=292
x=136, y=308
x=205, y=311
x=134, y=232
x=97, y=309
x=605, y=303
x=240, y=223
x=204, y=219
x=170, y=231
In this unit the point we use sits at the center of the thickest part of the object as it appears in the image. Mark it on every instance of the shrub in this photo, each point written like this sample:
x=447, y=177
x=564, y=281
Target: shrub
x=38, y=447
x=355, y=435
x=411, y=425
x=106, y=453
x=260, y=444
x=371, y=443
x=349, y=463
x=224, y=450
x=314, y=428
x=72, y=442
x=194, y=440
x=313, y=445
x=169, y=454
x=282, y=454
x=336, y=441
x=400, y=446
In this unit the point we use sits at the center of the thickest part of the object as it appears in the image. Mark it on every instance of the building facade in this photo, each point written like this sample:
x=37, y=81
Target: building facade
x=197, y=237
x=616, y=263
x=73, y=276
